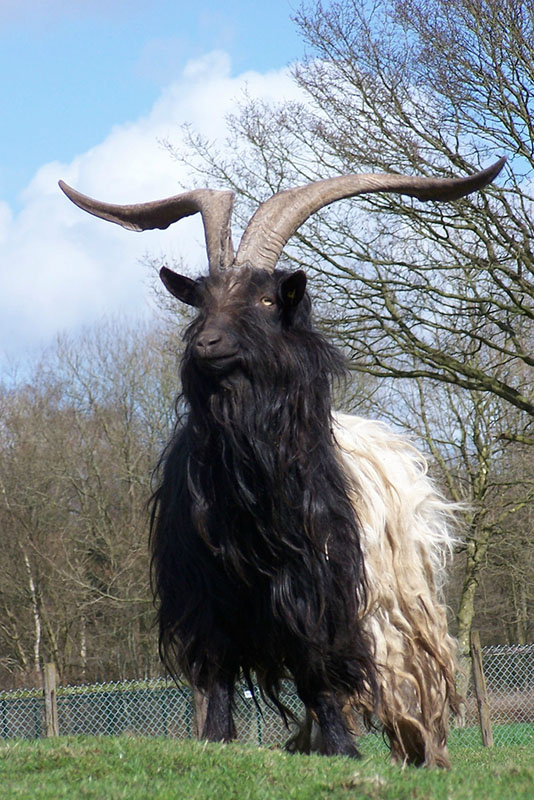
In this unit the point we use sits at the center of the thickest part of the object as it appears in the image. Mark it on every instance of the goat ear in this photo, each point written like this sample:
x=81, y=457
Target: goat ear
x=181, y=287
x=292, y=288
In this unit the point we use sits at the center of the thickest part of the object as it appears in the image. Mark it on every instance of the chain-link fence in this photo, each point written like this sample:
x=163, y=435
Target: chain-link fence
x=159, y=708
x=509, y=673
x=149, y=708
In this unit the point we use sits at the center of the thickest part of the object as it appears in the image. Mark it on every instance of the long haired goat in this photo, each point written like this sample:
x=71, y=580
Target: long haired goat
x=287, y=540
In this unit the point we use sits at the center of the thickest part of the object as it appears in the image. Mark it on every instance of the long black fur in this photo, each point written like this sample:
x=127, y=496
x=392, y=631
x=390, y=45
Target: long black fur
x=256, y=558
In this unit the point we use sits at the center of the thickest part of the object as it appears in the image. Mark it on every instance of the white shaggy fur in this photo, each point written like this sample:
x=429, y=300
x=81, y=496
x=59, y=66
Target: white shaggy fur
x=406, y=527
x=406, y=539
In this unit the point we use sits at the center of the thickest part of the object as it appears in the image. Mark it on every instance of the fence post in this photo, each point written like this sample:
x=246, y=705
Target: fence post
x=50, y=698
x=481, y=691
x=200, y=704
x=4, y=718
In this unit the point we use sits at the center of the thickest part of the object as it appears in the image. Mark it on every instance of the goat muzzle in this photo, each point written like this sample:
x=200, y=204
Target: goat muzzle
x=215, y=351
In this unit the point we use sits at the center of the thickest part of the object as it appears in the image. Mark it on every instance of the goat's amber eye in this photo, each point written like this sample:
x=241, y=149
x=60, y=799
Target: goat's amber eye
x=267, y=301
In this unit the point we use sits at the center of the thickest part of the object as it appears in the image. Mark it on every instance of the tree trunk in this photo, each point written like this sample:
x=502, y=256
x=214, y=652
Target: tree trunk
x=477, y=549
x=519, y=596
x=37, y=626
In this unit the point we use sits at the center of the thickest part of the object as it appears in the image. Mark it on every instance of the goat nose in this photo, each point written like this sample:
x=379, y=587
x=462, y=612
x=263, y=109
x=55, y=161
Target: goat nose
x=208, y=341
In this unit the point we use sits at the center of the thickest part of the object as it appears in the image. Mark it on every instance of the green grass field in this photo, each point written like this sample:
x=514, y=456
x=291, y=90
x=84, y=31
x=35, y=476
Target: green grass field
x=144, y=768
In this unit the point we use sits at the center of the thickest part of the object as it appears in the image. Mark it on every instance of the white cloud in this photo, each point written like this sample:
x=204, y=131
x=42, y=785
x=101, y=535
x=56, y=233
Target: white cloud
x=61, y=268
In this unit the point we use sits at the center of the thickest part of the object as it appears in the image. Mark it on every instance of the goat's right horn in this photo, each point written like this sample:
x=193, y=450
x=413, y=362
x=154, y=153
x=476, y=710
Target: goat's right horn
x=215, y=207
x=282, y=214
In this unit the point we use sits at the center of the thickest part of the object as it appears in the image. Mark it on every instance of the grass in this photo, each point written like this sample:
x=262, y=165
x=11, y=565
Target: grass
x=108, y=768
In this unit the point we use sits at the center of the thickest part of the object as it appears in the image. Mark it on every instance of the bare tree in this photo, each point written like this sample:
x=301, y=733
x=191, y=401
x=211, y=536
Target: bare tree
x=507, y=581
x=441, y=296
x=434, y=87
x=78, y=444
x=478, y=469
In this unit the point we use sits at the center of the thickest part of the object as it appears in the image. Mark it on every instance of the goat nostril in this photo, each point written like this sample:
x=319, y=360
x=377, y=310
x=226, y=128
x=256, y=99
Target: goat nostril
x=206, y=342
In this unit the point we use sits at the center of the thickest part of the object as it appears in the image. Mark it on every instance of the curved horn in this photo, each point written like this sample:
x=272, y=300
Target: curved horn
x=282, y=214
x=214, y=206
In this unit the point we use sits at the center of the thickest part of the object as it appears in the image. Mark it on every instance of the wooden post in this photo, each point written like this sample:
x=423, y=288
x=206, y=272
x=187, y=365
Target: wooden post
x=50, y=698
x=200, y=701
x=481, y=691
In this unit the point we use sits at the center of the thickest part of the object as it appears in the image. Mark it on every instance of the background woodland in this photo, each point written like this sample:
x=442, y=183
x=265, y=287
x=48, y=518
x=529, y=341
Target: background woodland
x=432, y=304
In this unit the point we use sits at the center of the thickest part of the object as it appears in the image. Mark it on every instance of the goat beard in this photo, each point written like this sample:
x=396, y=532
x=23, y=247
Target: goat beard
x=262, y=447
x=270, y=501
x=271, y=463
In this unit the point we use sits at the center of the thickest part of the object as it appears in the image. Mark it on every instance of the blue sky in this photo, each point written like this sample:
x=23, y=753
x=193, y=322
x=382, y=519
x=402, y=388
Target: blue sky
x=89, y=88
x=74, y=69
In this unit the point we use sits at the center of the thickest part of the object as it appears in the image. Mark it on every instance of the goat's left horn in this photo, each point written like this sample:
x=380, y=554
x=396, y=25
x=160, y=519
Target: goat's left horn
x=215, y=207
x=282, y=214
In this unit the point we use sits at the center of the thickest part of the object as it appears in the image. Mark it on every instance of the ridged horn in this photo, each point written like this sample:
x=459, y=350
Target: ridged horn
x=214, y=206
x=282, y=214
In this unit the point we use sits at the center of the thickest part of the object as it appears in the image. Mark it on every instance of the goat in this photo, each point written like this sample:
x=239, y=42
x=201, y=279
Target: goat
x=287, y=539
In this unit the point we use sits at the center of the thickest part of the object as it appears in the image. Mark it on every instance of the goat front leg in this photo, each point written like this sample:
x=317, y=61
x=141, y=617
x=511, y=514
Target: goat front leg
x=301, y=741
x=335, y=737
x=219, y=725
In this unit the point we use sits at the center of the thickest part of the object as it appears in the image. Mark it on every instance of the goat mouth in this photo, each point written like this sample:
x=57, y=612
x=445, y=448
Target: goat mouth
x=218, y=364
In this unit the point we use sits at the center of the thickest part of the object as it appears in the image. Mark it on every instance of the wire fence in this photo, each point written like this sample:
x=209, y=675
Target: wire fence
x=149, y=708
x=160, y=708
x=509, y=673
